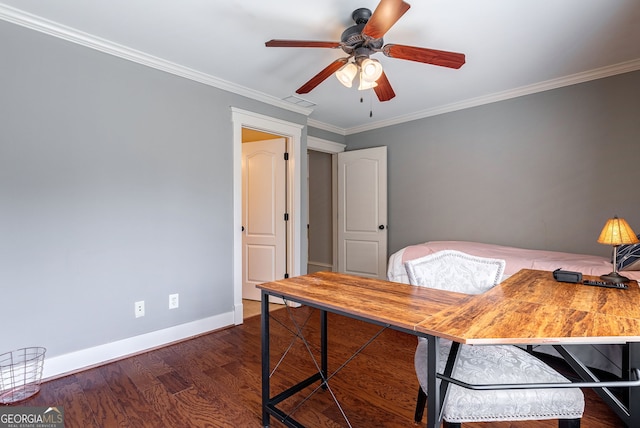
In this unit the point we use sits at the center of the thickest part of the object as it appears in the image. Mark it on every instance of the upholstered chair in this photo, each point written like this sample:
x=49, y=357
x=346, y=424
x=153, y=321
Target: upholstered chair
x=488, y=364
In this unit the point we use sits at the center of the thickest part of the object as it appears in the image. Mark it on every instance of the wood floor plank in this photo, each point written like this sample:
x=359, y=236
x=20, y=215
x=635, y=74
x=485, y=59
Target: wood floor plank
x=107, y=410
x=225, y=403
x=70, y=395
x=143, y=371
x=214, y=380
x=133, y=404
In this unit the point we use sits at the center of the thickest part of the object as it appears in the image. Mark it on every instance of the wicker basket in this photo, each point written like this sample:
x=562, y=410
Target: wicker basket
x=20, y=374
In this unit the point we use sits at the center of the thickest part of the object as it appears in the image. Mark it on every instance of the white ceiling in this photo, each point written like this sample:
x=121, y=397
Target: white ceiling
x=512, y=47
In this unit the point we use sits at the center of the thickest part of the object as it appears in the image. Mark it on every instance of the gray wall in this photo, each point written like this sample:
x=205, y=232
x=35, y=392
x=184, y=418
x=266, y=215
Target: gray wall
x=115, y=186
x=542, y=171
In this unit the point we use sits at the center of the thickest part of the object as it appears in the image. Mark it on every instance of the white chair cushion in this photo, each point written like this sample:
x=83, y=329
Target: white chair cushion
x=455, y=271
x=500, y=364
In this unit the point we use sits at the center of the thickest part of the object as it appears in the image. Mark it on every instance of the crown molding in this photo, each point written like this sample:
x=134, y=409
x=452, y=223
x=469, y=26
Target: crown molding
x=326, y=127
x=60, y=31
x=599, y=73
x=55, y=29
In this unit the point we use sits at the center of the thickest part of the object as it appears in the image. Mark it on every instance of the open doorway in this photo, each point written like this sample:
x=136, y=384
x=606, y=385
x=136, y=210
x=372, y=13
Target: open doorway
x=322, y=200
x=264, y=243
x=264, y=211
x=320, y=226
x=359, y=210
x=292, y=133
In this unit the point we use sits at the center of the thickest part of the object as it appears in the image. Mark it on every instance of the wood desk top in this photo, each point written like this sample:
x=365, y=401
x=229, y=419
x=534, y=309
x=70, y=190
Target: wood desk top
x=400, y=305
x=530, y=307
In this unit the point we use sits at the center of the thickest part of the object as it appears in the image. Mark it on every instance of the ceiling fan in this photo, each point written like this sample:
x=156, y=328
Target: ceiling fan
x=362, y=40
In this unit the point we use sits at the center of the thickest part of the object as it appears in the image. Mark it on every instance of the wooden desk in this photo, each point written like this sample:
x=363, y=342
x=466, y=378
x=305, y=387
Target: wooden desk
x=531, y=307
x=527, y=308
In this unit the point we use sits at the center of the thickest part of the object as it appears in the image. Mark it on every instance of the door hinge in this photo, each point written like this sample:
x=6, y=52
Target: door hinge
x=286, y=156
x=286, y=216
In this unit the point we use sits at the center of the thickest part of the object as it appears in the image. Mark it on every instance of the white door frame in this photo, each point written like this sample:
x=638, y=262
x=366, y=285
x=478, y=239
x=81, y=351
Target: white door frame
x=292, y=131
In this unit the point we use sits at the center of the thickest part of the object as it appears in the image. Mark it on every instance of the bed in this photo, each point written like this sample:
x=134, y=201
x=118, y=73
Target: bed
x=603, y=357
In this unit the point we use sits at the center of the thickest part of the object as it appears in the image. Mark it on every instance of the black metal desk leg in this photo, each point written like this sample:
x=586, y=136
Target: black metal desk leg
x=634, y=393
x=323, y=345
x=433, y=392
x=266, y=364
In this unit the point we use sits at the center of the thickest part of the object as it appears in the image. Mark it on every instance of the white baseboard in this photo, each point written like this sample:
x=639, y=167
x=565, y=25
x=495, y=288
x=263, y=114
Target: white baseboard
x=313, y=267
x=86, y=358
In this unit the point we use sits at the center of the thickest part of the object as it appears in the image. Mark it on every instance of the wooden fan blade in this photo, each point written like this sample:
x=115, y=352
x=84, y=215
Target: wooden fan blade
x=300, y=44
x=386, y=14
x=384, y=91
x=320, y=77
x=428, y=56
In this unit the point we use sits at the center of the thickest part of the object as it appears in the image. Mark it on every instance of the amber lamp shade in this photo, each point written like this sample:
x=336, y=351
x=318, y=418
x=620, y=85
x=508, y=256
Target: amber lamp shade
x=616, y=232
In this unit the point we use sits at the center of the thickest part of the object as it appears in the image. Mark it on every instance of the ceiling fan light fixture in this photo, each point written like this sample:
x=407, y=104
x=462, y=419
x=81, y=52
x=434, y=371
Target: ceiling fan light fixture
x=364, y=39
x=346, y=74
x=371, y=70
x=365, y=84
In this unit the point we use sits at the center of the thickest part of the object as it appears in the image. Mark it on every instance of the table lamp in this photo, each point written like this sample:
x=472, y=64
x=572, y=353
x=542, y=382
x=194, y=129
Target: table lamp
x=616, y=232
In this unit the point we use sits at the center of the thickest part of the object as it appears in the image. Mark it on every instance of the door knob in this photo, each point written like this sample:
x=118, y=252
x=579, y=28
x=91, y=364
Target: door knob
x=381, y=227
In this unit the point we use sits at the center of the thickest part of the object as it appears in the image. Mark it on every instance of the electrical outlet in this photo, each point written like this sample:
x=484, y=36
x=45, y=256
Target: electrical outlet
x=139, y=309
x=173, y=301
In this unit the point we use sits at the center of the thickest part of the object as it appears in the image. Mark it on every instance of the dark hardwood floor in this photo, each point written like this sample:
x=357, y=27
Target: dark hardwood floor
x=214, y=381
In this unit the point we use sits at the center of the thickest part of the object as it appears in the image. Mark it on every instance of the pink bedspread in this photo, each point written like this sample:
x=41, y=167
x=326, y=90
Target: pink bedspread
x=519, y=258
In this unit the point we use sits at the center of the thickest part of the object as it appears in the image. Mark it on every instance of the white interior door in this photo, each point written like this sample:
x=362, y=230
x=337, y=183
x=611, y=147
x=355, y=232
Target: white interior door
x=362, y=212
x=263, y=214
